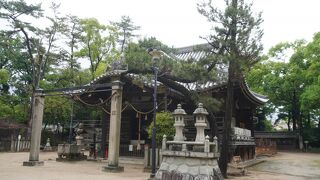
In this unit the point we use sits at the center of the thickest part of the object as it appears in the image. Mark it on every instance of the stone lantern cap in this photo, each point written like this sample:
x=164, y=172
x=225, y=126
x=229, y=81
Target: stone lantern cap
x=200, y=110
x=179, y=111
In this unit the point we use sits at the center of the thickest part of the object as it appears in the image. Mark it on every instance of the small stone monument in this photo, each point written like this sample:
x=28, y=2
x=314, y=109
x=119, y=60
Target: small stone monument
x=47, y=147
x=178, y=115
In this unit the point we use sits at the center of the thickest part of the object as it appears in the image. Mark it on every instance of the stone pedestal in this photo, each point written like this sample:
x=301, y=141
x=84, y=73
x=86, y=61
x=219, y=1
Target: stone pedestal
x=115, y=125
x=200, y=131
x=178, y=162
x=70, y=152
x=79, y=132
x=37, y=118
x=189, y=165
x=79, y=140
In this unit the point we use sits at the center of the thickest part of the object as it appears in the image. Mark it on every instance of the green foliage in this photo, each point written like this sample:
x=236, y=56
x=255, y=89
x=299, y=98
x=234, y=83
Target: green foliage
x=126, y=28
x=21, y=113
x=5, y=111
x=313, y=136
x=100, y=69
x=13, y=108
x=98, y=47
x=311, y=97
x=165, y=126
x=137, y=57
x=268, y=125
x=290, y=78
x=211, y=103
x=236, y=31
x=282, y=79
x=57, y=110
x=4, y=76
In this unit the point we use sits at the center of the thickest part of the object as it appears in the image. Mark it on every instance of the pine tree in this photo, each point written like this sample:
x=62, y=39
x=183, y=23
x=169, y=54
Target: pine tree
x=236, y=40
x=126, y=28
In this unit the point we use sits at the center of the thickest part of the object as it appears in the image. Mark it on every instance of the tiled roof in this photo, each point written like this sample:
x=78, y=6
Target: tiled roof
x=194, y=53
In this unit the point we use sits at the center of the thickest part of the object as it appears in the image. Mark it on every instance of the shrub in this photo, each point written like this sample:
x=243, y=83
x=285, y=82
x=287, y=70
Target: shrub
x=164, y=123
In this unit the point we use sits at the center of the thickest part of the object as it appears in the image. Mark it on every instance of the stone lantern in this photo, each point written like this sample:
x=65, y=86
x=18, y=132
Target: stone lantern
x=201, y=117
x=79, y=132
x=179, y=114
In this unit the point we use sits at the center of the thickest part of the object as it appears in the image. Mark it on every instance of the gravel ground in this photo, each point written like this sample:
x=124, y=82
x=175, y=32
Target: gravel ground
x=283, y=166
x=11, y=169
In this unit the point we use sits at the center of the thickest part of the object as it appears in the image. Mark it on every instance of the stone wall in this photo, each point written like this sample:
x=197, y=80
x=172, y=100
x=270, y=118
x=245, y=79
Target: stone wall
x=188, y=168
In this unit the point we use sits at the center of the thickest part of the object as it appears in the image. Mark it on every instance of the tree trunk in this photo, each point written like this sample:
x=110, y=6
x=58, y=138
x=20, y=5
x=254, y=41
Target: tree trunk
x=309, y=120
x=224, y=158
x=294, y=111
x=300, y=121
x=288, y=124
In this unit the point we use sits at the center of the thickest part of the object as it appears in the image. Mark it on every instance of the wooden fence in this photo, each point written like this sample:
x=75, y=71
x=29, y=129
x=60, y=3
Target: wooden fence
x=265, y=146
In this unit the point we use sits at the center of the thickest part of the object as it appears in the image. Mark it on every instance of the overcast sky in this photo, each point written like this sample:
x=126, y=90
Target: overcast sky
x=177, y=22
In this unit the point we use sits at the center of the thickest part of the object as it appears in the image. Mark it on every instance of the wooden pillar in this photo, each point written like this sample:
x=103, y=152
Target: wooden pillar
x=114, y=128
x=37, y=118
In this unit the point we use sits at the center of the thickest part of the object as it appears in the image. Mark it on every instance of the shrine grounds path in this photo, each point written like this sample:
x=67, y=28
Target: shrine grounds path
x=283, y=166
x=286, y=165
x=11, y=169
